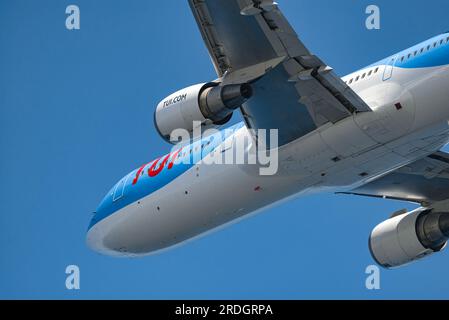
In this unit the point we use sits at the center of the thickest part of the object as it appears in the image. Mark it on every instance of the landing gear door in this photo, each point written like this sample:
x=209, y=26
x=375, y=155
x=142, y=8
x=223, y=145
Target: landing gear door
x=388, y=73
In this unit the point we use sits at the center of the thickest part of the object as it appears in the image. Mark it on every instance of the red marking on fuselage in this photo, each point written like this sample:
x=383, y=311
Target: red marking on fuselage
x=173, y=159
x=152, y=172
x=139, y=172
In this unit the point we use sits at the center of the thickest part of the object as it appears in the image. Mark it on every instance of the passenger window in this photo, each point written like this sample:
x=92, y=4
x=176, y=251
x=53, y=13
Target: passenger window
x=422, y=50
x=363, y=76
x=402, y=59
x=435, y=45
x=357, y=79
x=350, y=81
x=416, y=53
x=428, y=47
x=370, y=73
x=377, y=69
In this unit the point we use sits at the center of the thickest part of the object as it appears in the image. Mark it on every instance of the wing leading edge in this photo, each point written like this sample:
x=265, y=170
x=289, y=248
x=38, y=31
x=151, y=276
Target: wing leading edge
x=295, y=91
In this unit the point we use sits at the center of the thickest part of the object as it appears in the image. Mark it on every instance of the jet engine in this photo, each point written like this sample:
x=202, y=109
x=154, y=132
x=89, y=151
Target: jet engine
x=208, y=105
x=409, y=237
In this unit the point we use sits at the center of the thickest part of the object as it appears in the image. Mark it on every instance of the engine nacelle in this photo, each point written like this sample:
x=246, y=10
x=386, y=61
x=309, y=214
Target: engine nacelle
x=409, y=237
x=209, y=104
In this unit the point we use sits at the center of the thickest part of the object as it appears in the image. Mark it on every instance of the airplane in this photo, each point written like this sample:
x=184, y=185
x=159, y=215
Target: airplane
x=376, y=132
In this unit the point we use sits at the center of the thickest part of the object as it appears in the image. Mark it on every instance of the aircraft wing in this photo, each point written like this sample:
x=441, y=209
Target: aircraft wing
x=295, y=91
x=425, y=181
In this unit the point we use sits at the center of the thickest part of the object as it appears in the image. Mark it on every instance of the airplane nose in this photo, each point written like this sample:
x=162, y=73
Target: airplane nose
x=93, y=221
x=105, y=235
x=92, y=234
x=95, y=238
x=95, y=232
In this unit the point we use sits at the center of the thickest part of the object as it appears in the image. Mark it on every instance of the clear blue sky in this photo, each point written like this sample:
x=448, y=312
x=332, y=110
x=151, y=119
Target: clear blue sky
x=76, y=113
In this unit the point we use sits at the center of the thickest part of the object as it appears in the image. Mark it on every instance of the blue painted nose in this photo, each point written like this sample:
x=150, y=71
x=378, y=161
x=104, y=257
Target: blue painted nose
x=95, y=219
x=104, y=210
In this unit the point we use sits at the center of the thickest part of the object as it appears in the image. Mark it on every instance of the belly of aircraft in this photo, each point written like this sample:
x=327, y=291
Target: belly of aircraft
x=334, y=158
x=207, y=197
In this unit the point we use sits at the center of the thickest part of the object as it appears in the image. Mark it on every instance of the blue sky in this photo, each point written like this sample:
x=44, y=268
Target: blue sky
x=76, y=113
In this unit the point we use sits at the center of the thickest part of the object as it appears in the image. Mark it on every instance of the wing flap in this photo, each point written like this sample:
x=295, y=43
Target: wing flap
x=425, y=181
x=247, y=34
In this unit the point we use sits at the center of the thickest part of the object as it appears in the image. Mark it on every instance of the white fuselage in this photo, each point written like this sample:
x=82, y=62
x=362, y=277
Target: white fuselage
x=409, y=121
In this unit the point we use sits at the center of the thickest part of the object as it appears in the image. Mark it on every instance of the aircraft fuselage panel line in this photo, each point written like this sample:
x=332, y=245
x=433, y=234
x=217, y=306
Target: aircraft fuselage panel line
x=377, y=132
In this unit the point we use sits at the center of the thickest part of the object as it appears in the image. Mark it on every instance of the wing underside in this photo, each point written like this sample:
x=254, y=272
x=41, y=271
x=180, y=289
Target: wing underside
x=425, y=181
x=295, y=92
